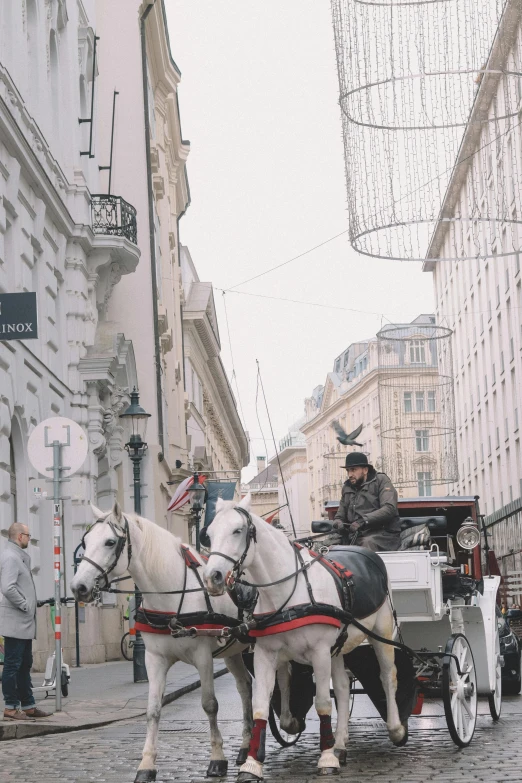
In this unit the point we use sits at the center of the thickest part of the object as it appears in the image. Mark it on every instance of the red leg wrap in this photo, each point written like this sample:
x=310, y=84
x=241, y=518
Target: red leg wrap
x=257, y=743
x=327, y=739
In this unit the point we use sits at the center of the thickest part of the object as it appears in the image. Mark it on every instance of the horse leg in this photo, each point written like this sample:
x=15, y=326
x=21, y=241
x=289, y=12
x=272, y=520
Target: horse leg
x=157, y=668
x=265, y=664
x=386, y=657
x=218, y=765
x=341, y=685
x=243, y=680
x=322, y=663
x=287, y=721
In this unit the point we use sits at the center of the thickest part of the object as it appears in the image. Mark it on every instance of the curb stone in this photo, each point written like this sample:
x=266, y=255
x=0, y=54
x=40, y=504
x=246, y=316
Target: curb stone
x=14, y=731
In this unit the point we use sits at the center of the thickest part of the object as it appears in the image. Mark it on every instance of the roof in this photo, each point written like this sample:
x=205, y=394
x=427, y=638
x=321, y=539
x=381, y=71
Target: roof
x=268, y=475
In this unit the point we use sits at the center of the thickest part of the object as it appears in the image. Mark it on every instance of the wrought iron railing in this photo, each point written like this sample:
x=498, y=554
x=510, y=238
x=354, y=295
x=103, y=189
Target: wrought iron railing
x=115, y=216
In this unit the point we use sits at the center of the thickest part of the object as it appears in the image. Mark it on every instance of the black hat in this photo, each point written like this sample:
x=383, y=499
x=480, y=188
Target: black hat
x=355, y=459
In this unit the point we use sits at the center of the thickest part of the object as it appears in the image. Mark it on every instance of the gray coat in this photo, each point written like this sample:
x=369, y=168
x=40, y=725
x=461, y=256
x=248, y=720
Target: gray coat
x=376, y=504
x=18, y=594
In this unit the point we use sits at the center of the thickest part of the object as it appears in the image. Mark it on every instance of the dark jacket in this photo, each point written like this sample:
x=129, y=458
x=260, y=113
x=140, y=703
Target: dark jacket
x=18, y=594
x=375, y=503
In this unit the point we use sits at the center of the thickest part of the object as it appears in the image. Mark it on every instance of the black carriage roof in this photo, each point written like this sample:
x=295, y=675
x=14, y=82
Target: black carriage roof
x=444, y=500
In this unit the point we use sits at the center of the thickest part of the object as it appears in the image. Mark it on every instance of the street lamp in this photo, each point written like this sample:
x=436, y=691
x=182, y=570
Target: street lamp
x=136, y=448
x=197, y=494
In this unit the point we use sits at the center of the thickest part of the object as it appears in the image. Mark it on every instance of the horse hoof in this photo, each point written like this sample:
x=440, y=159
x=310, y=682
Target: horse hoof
x=145, y=776
x=242, y=756
x=328, y=771
x=400, y=743
x=217, y=768
x=247, y=777
x=342, y=755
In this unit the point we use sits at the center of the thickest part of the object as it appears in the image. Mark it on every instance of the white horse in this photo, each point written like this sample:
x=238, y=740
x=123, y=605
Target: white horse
x=118, y=543
x=244, y=543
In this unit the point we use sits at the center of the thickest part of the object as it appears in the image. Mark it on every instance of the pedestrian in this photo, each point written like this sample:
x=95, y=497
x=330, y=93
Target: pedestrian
x=18, y=626
x=368, y=508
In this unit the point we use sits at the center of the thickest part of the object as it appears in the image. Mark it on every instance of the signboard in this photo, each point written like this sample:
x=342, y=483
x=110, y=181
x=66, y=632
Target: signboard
x=73, y=440
x=215, y=490
x=18, y=317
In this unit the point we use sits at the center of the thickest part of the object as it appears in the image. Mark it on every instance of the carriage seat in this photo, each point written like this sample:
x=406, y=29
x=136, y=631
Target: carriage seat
x=437, y=525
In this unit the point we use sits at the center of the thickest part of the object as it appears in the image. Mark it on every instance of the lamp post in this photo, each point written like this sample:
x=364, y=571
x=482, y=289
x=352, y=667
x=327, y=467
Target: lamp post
x=197, y=493
x=136, y=448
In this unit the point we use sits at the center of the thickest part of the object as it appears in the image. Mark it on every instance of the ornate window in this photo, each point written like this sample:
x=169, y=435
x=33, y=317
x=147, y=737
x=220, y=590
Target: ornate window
x=422, y=441
x=424, y=484
x=417, y=352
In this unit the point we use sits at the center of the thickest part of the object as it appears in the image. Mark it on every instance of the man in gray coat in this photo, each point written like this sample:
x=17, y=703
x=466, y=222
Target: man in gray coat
x=18, y=626
x=368, y=508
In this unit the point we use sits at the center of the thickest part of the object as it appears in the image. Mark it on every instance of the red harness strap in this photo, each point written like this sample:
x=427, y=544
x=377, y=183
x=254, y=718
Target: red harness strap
x=314, y=619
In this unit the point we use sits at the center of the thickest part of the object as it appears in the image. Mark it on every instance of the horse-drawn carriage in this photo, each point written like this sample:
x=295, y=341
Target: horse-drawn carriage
x=445, y=608
x=439, y=635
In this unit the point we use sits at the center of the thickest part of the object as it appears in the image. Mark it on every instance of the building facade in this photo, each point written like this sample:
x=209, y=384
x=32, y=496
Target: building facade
x=264, y=490
x=217, y=442
x=93, y=185
x=480, y=297
x=59, y=239
x=292, y=488
x=354, y=394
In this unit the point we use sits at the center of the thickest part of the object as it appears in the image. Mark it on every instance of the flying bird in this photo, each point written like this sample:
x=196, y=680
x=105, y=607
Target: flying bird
x=342, y=437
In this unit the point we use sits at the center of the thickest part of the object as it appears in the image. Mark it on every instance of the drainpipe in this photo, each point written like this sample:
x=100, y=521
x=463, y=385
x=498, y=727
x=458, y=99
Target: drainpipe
x=154, y=281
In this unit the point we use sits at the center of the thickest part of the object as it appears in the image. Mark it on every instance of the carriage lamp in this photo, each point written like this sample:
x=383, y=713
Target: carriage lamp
x=468, y=536
x=197, y=493
x=136, y=448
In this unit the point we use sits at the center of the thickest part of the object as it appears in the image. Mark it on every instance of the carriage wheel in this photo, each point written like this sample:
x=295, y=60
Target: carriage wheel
x=284, y=739
x=495, y=698
x=459, y=691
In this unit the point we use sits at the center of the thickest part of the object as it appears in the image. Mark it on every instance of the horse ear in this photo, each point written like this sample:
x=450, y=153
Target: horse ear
x=97, y=513
x=220, y=504
x=246, y=502
x=117, y=514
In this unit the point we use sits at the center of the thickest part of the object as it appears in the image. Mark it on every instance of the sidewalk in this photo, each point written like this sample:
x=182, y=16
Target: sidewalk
x=102, y=693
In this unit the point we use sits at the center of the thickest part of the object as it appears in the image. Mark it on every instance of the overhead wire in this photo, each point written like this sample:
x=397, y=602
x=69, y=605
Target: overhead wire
x=377, y=213
x=260, y=383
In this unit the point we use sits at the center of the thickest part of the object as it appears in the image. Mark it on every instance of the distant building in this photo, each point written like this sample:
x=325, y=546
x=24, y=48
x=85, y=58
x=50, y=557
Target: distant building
x=293, y=492
x=352, y=395
x=216, y=440
x=264, y=489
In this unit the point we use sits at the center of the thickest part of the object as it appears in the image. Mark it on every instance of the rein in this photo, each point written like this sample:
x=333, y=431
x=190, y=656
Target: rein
x=122, y=540
x=237, y=571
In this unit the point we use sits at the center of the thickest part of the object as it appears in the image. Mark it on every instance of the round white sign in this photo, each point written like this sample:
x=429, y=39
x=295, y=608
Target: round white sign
x=75, y=445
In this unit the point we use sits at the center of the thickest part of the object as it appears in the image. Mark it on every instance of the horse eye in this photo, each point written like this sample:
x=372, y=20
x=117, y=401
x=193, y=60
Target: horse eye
x=110, y=542
x=237, y=532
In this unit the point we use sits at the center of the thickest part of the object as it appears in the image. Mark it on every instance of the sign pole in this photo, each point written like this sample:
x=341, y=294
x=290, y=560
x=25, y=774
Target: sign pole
x=57, y=534
x=73, y=449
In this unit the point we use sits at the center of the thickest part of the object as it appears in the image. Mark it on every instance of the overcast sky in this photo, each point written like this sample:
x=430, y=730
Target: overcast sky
x=259, y=104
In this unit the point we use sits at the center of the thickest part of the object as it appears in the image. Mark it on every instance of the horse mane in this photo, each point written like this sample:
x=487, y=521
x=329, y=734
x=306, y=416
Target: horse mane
x=157, y=547
x=229, y=505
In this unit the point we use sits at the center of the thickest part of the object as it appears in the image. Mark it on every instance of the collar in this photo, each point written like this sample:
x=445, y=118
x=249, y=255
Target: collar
x=22, y=553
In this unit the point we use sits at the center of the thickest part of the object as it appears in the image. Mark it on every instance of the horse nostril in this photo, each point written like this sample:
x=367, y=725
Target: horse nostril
x=217, y=577
x=81, y=589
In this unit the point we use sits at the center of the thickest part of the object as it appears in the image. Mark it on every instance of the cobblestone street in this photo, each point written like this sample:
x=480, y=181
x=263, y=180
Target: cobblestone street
x=112, y=753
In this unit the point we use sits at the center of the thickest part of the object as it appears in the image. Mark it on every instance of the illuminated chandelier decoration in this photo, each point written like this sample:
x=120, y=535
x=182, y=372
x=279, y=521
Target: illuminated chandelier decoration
x=428, y=89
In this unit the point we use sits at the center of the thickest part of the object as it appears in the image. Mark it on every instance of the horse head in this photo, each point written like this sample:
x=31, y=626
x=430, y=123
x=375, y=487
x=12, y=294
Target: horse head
x=104, y=544
x=231, y=534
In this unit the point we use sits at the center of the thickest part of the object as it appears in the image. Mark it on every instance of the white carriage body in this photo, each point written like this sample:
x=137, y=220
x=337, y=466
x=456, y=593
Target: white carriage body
x=427, y=621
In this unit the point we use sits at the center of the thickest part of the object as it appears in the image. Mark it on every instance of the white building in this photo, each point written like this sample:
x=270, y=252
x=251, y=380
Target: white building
x=58, y=240
x=292, y=488
x=480, y=298
x=217, y=442
x=393, y=388
x=106, y=268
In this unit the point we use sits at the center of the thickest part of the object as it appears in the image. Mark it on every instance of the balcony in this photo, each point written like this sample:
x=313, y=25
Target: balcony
x=114, y=251
x=114, y=216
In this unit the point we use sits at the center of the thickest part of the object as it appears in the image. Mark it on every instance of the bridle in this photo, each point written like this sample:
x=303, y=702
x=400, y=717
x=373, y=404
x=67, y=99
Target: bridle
x=120, y=546
x=251, y=535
